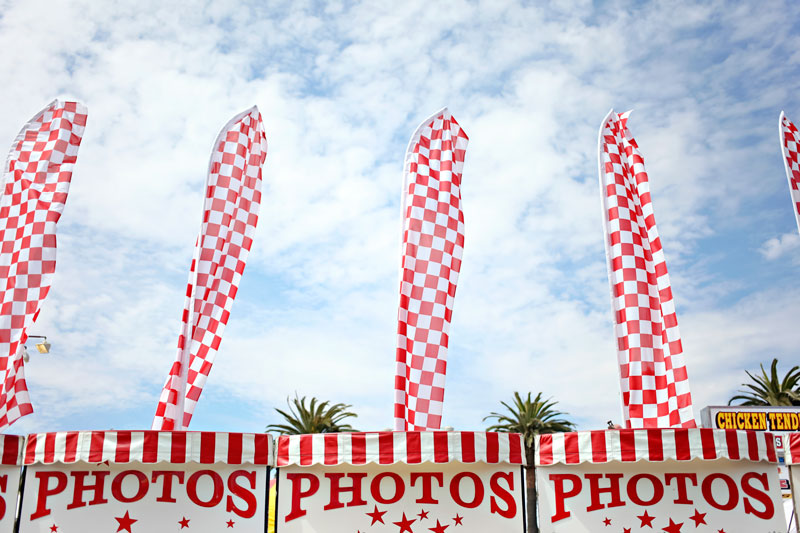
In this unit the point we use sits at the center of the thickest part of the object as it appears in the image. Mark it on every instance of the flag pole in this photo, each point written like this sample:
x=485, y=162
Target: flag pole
x=785, y=154
x=398, y=426
x=604, y=207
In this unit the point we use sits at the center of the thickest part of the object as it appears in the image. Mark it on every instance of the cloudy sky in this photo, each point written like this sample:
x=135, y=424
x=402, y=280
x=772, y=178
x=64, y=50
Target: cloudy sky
x=341, y=87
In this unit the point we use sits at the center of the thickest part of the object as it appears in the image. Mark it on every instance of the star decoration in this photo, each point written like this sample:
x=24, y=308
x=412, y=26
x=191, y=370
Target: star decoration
x=184, y=523
x=720, y=531
x=698, y=517
x=125, y=522
x=607, y=521
x=673, y=527
x=54, y=528
x=626, y=530
x=439, y=527
x=405, y=524
x=458, y=520
x=230, y=523
x=376, y=515
x=646, y=519
x=423, y=514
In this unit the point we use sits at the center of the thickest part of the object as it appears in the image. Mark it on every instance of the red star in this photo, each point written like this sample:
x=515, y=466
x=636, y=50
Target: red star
x=230, y=523
x=720, y=531
x=673, y=527
x=376, y=515
x=458, y=520
x=646, y=519
x=626, y=530
x=54, y=528
x=125, y=522
x=404, y=524
x=184, y=523
x=607, y=521
x=439, y=527
x=698, y=517
x=423, y=514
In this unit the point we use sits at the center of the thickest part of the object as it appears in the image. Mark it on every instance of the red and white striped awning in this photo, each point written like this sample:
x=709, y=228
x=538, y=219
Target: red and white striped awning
x=388, y=447
x=791, y=446
x=11, y=449
x=149, y=447
x=628, y=445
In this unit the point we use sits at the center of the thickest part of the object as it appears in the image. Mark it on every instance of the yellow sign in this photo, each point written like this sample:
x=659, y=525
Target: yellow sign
x=758, y=420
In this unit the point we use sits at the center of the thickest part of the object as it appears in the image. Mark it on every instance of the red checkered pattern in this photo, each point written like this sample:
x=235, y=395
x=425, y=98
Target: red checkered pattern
x=790, y=145
x=176, y=447
x=654, y=445
x=35, y=186
x=654, y=381
x=11, y=449
x=433, y=242
x=792, y=449
x=233, y=196
x=387, y=447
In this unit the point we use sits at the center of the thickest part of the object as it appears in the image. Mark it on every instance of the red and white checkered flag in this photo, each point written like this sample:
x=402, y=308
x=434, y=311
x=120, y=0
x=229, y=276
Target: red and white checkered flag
x=654, y=382
x=35, y=186
x=790, y=146
x=433, y=242
x=233, y=197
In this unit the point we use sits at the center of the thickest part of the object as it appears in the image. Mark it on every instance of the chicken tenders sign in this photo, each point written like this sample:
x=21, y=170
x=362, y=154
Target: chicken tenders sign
x=671, y=480
x=145, y=481
x=401, y=482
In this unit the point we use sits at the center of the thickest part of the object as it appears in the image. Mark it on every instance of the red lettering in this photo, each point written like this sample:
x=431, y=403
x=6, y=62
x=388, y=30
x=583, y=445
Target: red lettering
x=337, y=489
x=43, y=493
x=683, y=497
x=562, y=495
x=116, y=486
x=427, y=485
x=595, y=491
x=761, y=496
x=455, y=489
x=238, y=490
x=494, y=485
x=733, y=492
x=81, y=487
x=633, y=490
x=298, y=493
x=3, y=487
x=375, y=488
x=166, y=492
x=216, y=495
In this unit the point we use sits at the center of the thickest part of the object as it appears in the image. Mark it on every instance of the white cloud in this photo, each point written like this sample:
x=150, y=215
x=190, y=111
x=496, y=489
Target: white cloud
x=779, y=246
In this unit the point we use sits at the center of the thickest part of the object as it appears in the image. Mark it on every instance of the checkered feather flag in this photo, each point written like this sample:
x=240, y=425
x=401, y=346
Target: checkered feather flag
x=654, y=382
x=433, y=242
x=790, y=146
x=36, y=182
x=233, y=197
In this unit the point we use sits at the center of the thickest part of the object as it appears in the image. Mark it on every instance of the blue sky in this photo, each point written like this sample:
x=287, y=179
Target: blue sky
x=341, y=87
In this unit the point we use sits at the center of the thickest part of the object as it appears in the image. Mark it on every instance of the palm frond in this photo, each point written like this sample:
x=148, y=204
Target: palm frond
x=769, y=388
x=530, y=417
x=316, y=417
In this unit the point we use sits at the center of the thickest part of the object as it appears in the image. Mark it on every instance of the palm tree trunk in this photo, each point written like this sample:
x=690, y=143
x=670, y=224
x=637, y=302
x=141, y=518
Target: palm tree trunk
x=530, y=492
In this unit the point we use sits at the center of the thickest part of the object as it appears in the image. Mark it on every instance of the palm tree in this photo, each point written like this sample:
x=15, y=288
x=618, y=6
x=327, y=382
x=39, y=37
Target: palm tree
x=769, y=389
x=530, y=417
x=317, y=417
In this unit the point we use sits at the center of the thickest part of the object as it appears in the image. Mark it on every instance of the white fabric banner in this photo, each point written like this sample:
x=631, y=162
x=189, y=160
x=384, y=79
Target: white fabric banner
x=794, y=474
x=143, y=498
x=722, y=496
x=9, y=485
x=401, y=498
